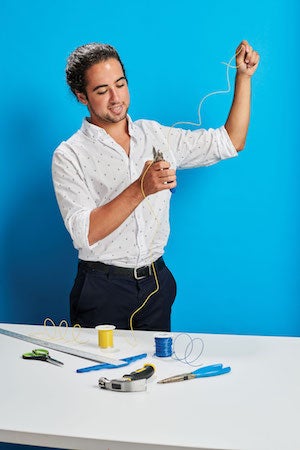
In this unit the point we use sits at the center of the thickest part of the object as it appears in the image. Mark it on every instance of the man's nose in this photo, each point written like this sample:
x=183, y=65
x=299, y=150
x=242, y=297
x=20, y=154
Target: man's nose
x=114, y=96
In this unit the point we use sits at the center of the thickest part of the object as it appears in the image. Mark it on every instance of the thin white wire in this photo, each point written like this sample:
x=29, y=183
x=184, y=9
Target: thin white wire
x=225, y=91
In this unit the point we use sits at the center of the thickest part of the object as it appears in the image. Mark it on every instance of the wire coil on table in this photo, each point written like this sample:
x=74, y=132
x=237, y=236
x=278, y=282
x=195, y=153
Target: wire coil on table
x=166, y=347
x=191, y=354
x=163, y=345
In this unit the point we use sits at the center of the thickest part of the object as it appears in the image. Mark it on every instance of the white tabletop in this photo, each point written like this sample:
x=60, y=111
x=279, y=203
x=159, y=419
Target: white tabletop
x=254, y=407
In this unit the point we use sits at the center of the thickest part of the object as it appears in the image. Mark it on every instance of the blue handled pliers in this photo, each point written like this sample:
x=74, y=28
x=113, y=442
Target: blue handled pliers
x=207, y=371
x=126, y=362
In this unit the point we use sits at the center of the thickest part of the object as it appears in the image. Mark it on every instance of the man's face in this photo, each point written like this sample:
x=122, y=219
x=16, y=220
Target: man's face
x=107, y=95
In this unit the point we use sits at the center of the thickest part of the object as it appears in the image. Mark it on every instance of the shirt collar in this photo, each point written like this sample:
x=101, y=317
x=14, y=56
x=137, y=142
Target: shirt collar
x=98, y=133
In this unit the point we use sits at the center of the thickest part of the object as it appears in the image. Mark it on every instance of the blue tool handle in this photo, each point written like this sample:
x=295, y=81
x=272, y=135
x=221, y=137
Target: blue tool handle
x=99, y=367
x=211, y=371
x=131, y=359
x=126, y=362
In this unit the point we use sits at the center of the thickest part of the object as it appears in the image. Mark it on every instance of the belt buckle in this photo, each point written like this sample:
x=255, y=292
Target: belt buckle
x=135, y=272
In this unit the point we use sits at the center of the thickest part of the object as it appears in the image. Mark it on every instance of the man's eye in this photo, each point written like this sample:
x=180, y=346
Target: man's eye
x=120, y=85
x=102, y=92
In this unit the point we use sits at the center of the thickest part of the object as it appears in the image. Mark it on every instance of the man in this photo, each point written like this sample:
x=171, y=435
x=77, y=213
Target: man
x=114, y=197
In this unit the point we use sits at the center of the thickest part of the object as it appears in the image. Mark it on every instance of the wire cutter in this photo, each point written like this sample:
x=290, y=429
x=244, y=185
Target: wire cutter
x=158, y=156
x=207, y=371
x=41, y=354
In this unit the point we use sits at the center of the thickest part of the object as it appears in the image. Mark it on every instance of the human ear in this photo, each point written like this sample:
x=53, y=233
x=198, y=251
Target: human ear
x=81, y=97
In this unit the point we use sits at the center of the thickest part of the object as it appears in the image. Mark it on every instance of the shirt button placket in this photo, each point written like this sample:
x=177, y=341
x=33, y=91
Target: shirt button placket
x=140, y=223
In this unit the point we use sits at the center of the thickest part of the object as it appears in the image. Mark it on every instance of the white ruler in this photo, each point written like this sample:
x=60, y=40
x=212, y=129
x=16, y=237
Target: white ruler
x=61, y=348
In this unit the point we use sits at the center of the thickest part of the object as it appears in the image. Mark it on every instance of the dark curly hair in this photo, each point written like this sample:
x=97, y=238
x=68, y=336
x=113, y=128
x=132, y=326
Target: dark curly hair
x=82, y=58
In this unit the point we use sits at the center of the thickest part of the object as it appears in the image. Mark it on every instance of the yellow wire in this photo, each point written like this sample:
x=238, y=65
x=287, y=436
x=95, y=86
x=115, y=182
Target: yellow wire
x=152, y=264
x=58, y=335
x=146, y=300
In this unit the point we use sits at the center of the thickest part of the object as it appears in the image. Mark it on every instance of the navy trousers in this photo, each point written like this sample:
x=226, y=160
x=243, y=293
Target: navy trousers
x=108, y=298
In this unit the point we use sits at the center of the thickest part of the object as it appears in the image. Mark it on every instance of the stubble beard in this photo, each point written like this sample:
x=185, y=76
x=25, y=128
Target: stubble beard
x=107, y=118
x=113, y=119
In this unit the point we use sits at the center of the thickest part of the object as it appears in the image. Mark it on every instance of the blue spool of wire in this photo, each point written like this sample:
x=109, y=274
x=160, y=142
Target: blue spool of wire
x=163, y=345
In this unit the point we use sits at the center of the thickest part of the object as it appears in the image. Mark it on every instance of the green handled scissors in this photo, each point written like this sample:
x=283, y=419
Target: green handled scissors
x=207, y=371
x=42, y=354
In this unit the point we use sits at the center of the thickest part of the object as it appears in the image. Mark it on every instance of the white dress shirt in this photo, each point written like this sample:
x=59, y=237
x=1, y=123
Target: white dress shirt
x=90, y=169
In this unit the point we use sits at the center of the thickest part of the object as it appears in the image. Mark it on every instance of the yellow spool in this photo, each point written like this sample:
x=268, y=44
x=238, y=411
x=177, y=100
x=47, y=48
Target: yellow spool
x=105, y=335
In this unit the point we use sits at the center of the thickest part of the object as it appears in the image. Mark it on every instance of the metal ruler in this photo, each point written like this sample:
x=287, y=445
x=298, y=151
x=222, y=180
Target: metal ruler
x=60, y=348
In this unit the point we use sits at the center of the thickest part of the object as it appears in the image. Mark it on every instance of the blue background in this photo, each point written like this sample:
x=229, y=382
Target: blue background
x=234, y=241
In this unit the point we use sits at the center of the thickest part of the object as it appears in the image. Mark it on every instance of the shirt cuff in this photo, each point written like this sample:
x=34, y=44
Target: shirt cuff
x=79, y=231
x=229, y=148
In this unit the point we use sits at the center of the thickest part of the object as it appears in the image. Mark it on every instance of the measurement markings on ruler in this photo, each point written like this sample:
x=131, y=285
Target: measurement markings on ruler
x=60, y=348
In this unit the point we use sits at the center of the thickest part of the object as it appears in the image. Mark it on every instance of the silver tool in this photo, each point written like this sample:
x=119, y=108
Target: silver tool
x=157, y=155
x=60, y=348
x=123, y=385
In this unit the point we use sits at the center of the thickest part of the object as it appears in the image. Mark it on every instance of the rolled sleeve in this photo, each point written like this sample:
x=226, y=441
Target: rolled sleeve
x=201, y=147
x=229, y=150
x=73, y=197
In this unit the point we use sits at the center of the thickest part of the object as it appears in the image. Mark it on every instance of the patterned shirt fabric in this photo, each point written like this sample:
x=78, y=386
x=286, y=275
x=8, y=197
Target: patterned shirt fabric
x=90, y=169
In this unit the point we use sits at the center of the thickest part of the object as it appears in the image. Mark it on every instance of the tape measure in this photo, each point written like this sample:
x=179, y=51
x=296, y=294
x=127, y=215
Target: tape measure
x=60, y=348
